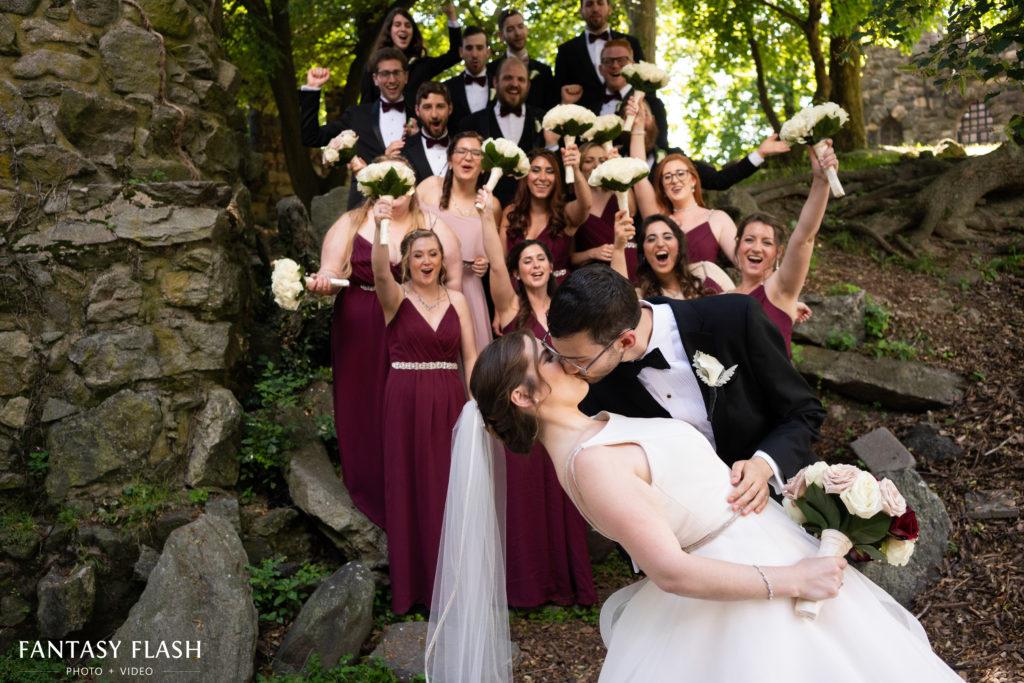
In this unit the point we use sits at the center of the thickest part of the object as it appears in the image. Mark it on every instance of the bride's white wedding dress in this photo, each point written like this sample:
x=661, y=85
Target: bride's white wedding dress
x=861, y=635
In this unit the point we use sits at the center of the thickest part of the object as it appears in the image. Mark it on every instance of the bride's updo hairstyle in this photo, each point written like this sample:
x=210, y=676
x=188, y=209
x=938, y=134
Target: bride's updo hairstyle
x=502, y=366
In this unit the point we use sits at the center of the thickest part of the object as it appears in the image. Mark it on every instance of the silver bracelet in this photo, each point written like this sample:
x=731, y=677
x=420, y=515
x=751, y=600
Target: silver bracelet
x=771, y=593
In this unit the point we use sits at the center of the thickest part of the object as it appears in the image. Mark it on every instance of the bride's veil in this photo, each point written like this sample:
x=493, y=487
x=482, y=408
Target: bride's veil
x=468, y=638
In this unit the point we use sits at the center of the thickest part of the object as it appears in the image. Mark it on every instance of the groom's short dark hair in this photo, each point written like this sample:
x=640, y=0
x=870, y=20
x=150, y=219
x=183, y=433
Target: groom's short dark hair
x=594, y=299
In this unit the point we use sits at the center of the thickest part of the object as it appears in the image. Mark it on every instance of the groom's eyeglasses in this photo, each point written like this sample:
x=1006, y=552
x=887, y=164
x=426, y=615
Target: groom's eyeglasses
x=583, y=369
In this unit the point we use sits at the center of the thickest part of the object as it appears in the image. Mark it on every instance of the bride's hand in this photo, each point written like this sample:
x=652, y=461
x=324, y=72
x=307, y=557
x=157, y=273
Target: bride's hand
x=819, y=578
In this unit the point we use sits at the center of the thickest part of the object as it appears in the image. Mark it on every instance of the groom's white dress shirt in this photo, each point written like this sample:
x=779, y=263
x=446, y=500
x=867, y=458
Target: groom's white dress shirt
x=676, y=389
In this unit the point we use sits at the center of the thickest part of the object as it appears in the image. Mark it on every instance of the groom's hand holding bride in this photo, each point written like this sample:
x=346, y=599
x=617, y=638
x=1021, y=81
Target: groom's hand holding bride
x=750, y=477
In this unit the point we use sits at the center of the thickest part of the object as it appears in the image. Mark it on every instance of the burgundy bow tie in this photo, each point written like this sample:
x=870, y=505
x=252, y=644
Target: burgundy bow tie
x=479, y=80
x=514, y=111
x=436, y=142
x=388, y=106
x=609, y=96
x=604, y=35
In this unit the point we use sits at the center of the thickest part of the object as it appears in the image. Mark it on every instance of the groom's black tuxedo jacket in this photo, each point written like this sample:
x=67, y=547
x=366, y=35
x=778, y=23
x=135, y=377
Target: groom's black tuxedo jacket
x=573, y=65
x=766, y=405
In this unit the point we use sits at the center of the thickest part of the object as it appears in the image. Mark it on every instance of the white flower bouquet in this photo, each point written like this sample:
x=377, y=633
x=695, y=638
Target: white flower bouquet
x=341, y=148
x=852, y=512
x=503, y=156
x=811, y=126
x=569, y=121
x=645, y=78
x=605, y=130
x=618, y=175
x=386, y=179
x=288, y=285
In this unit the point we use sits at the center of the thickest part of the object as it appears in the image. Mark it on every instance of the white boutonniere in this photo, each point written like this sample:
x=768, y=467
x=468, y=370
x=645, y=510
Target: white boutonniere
x=658, y=156
x=533, y=73
x=536, y=125
x=711, y=371
x=491, y=94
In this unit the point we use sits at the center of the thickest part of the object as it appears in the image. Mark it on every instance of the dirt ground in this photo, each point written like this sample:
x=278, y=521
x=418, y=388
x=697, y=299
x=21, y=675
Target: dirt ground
x=961, y=313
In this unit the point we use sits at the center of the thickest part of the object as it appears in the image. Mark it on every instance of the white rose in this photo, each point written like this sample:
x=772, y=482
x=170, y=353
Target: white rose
x=647, y=72
x=286, y=283
x=331, y=156
x=602, y=124
x=624, y=170
x=815, y=472
x=893, y=502
x=563, y=113
x=794, y=511
x=897, y=552
x=863, y=498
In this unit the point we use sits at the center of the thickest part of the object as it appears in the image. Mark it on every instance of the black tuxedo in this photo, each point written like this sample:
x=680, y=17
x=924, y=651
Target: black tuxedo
x=417, y=156
x=421, y=69
x=712, y=178
x=573, y=65
x=460, y=104
x=485, y=122
x=542, y=83
x=765, y=406
x=363, y=118
x=657, y=110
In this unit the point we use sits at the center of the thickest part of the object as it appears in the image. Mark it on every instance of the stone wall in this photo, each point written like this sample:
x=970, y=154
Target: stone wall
x=903, y=107
x=125, y=242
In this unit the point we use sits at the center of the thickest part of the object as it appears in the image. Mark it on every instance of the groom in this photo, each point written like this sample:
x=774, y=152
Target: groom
x=638, y=358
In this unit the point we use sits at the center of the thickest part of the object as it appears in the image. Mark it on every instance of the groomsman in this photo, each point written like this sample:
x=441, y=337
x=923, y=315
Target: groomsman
x=576, y=65
x=470, y=90
x=513, y=32
x=379, y=123
x=509, y=118
x=615, y=55
x=427, y=150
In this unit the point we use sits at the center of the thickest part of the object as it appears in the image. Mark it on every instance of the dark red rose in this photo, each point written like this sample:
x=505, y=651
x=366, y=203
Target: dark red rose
x=904, y=527
x=857, y=556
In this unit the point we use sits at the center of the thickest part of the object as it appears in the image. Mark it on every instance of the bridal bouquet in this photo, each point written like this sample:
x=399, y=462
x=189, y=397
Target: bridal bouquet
x=811, y=126
x=605, y=130
x=569, y=121
x=386, y=180
x=618, y=175
x=342, y=147
x=645, y=78
x=288, y=285
x=503, y=156
x=848, y=508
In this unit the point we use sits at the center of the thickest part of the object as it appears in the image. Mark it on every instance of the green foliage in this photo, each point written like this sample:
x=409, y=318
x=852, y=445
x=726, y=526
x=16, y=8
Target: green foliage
x=824, y=511
x=373, y=670
x=842, y=289
x=199, y=496
x=138, y=505
x=798, y=353
x=38, y=464
x=562, y=615
x=17, y=527
x=382, y=608
x=893, y=349
x=264, y=444
x=876, y=318
x=841, y=341
x=16, y=669
x=278, y=597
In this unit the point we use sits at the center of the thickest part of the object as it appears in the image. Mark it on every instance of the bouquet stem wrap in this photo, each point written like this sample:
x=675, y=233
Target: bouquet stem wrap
x=335, y=282
x=570, y=176
x=834, y=543
x=629, y=119
x=622, y=196
x=385, y=224
x=492, y=182
x=830, y=173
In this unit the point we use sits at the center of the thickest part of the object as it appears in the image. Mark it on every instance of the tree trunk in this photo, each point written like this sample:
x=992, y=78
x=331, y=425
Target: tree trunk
x=812, y=29
x=643, y=24
x=844, y=69
x=762, y=87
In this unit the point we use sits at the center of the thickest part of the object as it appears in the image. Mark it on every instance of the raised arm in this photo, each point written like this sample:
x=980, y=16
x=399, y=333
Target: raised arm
x=612, y=487
x=624, y=232
x=506, y=303
x=646, y=200
x=389, y=292
x=578, y=209
x=784, y=286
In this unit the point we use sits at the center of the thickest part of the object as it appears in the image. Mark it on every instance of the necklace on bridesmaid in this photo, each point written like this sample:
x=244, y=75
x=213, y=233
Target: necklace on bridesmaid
x=427, y=306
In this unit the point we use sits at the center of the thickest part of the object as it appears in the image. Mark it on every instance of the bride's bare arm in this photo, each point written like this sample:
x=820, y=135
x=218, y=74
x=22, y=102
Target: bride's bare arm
x=613, y=488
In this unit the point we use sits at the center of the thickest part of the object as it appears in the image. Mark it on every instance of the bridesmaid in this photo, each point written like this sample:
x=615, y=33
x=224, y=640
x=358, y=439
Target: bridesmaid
x=428, y=325
x=664, y=269
x=545, y=536
x=359, y=355
x=775, y=278
x=539, y=210
x=676, y=192
x=451, y=198
x=596, y=237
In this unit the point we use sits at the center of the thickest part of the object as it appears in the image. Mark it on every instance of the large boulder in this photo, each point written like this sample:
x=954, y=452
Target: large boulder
x=131, y=59
x=163, y=226
x=901, y=385
x=112, y=440
x=61, y=65
x=281, y=532
x=905, y=583
x=197, y=597
x=839, y=315
x=335, y=621
x=65, y=602
x=316, y=490
x=926, y=440
x=95, y=124
x=17, y=362
x=213, y=455
x=402, y=647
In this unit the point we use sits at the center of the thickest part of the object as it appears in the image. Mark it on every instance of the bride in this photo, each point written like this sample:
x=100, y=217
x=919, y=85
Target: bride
x=716, y=603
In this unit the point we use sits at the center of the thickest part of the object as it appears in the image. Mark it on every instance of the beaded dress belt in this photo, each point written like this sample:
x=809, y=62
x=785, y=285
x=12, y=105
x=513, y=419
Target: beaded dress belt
x=630, y=245
x=432, y=365
x=712, y=535
x=559, y=273
x=368, y=288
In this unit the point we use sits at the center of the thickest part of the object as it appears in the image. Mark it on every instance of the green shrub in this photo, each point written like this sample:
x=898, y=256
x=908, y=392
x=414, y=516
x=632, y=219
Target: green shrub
x=842, y=289
x=278, y=598
x=38, y=463
x=373, y=670
x=841, y=341
x=17, y=669
x=876, y=318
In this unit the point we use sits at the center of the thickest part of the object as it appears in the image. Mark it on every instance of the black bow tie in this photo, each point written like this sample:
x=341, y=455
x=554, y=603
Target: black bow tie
x=654, y=359
x=388, y=106
x=514, y=111
x=604, y=35
x=609, y=96
x=479, y=80
x=436, y=142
